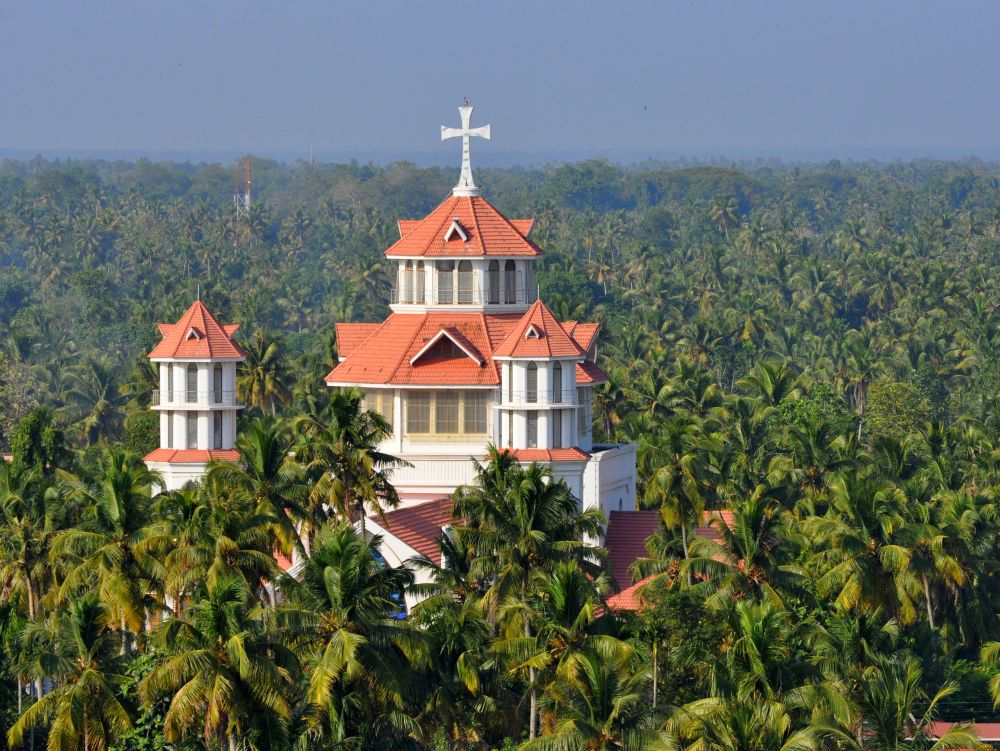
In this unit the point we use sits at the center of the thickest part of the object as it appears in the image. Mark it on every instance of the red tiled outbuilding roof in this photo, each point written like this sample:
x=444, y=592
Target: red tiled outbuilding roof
x=420, y=526
x=625, y=541
x=487, y=232
x=590, y=373
x=538, y=334
x=630, y=598
x=197, y=335
x=986, y=731
x=191, y=456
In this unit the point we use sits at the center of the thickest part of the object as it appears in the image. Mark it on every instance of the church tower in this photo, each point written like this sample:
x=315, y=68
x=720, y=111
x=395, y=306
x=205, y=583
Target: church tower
x=197, y=400
x=470, y=356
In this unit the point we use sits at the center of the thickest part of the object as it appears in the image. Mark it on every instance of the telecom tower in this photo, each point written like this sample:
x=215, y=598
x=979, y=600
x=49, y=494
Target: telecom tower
x=241, y=197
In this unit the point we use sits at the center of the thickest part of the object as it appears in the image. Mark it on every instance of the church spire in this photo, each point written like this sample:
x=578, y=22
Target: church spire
x=466, y=185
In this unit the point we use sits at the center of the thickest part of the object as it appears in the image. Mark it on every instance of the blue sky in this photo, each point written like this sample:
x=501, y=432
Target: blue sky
x=370, y=79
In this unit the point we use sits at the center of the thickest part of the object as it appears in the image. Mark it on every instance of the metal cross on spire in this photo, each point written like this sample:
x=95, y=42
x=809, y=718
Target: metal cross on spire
x=466, y=185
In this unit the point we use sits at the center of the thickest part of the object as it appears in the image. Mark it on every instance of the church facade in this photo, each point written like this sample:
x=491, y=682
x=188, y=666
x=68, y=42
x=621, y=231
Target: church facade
x=469, y=356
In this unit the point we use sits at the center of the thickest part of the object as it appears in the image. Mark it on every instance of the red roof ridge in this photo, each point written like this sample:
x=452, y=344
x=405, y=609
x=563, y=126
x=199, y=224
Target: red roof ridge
x=555, y=342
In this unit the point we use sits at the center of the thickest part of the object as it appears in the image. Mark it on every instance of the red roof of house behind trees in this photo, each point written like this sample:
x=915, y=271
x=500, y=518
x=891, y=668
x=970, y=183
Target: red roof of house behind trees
x=487, y=232
x=197, y=335
x=420, y=526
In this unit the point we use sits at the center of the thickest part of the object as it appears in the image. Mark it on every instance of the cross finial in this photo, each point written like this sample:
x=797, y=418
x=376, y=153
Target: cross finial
x=466, y=185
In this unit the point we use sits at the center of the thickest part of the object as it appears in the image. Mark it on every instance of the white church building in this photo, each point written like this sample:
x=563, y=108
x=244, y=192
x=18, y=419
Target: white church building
x=469, y=356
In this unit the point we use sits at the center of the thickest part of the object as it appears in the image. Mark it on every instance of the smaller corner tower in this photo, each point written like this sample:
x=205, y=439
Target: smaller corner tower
x=197, y=400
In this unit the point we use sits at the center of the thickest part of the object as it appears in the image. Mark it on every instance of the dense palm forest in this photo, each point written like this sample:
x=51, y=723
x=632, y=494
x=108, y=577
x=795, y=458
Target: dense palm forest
x=815, y=349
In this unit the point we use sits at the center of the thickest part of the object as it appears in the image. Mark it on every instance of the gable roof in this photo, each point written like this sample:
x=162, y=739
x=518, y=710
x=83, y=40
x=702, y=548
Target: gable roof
x=488, y=232
x=420, y=526
x=551, y=340
x=389, y=355
x=455, y=337
x=211, y=340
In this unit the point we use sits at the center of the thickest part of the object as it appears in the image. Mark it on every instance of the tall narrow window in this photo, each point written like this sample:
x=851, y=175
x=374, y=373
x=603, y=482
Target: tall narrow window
x=418, y=412
x=465, y=282
x=532, y=385
x=407, y=283
x=217, y=383
x=217, y=430
x=170, y=430
x=510, y=382
x=474, y=414
x=509, y=283
x=557, y=383
x=192, y=430
x=556, y=417
x=170, y=381
x=192, y=383
x=532, y=429
x=446, y=412
x=493, y=282
x=446, y=282
x=420, y=287
x=510, y=428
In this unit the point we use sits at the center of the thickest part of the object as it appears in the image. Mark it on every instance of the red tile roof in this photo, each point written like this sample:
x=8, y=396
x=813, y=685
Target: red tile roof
x=583, y=334
x=350, y=336
x=986, y=731
x=588, y=372
x=191, y=456
x=630, y=598
x=488, y=232
x=386, y=355
x=538, y=334
x=549, y=455
x=197, y=335
x=625, y=541
x=420, y=526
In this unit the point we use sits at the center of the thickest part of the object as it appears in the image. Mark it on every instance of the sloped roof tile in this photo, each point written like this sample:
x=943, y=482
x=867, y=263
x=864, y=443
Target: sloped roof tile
x=488, y=232
x=552, y=339
x=210, y=340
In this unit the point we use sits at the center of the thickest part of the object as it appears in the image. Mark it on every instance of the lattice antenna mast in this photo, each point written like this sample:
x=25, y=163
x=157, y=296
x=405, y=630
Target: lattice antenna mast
x=241, y=196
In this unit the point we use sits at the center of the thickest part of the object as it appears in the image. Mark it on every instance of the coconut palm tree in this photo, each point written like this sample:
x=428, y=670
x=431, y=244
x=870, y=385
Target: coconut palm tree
x=84, y=711
x=264, y=378
x=106, y=550
x=229, y=679
x=341, y=615
x=93, y=400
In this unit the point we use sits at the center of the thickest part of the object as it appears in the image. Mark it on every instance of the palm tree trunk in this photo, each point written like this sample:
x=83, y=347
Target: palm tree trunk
x=533, y=705
x=656, y=651
x=232, y=741
x=684, y=544
x=927, y=597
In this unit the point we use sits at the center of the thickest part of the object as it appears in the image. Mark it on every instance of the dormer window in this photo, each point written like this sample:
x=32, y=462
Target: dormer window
x=532, y=333
x=192, y=333
x=455, y=229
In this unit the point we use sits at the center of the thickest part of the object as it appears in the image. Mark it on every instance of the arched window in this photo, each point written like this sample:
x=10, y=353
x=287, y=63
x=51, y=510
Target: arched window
x=465, y=282
x=446, y=282
x=217, y=430
x=510, y=382
x=407, y=295
x=170, y=382
x=510, y=283
x=420, y=287
x=493, y=297
x=532, y=386
x=192, y=383
x=557, y=383
x=217, y=383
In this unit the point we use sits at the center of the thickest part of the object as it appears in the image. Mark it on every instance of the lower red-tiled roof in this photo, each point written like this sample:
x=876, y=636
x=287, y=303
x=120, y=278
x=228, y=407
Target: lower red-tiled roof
x=588, y=372
x=625, y=541
x=986, y=731
x=711, y=522
x=630, y=598
x=191, y=456
x=549, y=455
x=420, y=526
x=283, y=561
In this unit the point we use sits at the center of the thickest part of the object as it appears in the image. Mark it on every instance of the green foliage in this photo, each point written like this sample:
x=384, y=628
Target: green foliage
x=896, y=409
x=38, y=444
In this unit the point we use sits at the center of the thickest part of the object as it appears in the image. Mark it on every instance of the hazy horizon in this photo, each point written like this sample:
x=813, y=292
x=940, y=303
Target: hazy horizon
x=557, y=81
